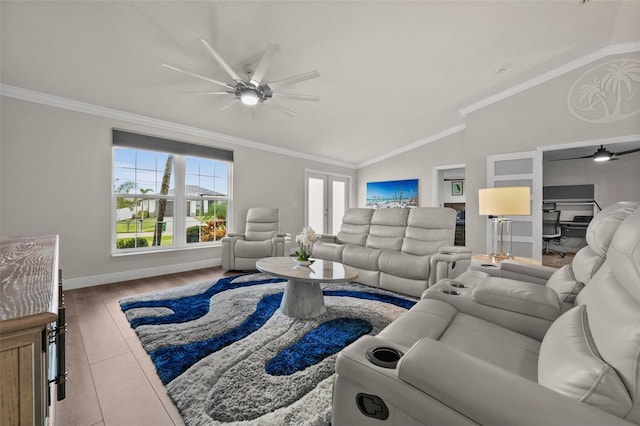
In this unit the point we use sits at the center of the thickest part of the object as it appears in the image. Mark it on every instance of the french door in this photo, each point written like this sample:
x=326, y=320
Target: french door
x=520, y=169
x=327, y=198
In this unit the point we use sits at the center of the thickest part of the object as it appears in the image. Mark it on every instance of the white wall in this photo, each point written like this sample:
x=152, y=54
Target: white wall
x=533, y=118
x=414, y=164
x=55, y=178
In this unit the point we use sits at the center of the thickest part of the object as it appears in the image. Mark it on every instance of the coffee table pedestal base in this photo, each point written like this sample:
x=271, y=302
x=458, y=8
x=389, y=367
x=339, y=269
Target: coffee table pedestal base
x=302, y=300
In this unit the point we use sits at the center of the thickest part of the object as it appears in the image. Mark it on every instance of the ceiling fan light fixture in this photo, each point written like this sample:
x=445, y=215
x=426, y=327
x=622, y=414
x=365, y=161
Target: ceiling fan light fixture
x=249, y=97
x=602, y=155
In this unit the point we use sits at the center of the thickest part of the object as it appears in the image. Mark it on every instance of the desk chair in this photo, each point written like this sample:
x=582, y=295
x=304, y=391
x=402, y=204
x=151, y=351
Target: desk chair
x=551, y=228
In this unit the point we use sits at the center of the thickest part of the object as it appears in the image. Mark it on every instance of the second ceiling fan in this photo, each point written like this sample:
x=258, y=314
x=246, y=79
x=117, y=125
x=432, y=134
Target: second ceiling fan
x=602, y=154
x=254, y=89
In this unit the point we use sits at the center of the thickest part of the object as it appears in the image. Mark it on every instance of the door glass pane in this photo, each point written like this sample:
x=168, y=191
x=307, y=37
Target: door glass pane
x=316, y=204
x=338, y=201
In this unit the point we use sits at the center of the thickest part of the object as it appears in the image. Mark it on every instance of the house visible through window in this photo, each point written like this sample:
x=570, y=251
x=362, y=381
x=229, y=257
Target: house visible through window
x=168, y=194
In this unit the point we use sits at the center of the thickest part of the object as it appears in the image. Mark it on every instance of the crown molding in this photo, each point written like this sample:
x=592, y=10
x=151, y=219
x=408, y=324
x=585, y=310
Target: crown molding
x=69, y=104
x=87, y=108
x=414, y=145
x=614, y=49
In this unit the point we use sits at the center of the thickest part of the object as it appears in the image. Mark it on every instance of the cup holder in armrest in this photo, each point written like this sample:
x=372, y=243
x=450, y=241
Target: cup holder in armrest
x=451, y=292
x=457, y=285
x=384, y=357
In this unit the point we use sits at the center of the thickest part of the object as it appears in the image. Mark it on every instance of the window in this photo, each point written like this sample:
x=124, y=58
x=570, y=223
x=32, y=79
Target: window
x=168, y=194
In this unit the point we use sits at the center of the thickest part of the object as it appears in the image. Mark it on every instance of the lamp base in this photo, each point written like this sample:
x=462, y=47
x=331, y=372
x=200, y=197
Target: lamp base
x=501, y=238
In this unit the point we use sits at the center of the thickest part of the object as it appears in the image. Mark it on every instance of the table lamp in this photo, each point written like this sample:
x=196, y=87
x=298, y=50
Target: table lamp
x=512, y=201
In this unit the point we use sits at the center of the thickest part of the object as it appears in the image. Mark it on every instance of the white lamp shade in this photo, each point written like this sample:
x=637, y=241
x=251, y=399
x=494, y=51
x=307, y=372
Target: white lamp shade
x=509, y=201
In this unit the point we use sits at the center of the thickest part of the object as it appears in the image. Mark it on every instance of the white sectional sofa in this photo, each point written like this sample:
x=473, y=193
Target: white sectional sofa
x=402, y=250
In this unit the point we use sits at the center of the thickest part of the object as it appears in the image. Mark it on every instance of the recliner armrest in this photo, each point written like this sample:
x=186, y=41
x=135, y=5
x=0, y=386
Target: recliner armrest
x=487, y=394
x=461, y=298
x=449, y=262
x=454, y=250
x=234, y=235
x=328, y=238
x=518, y=296
x=538, y=274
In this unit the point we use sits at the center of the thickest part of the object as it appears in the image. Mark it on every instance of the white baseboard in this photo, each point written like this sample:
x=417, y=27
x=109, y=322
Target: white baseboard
x=73, y=283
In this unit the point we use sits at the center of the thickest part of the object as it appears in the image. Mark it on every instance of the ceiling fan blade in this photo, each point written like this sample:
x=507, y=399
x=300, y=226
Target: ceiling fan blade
x=264, y=64
x=215, y=93
x=220, y=61
x=279, y=107
x=233, y=101
x=294, y=79
x=171, y=67
x=309, y=98
x=573, y=158
x=627, y=152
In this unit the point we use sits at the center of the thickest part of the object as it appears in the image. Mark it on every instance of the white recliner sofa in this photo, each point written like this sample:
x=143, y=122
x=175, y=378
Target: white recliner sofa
x=570, y=279
x=261, y=238
x=401, y=250
x=437, y=364
x=536, y=304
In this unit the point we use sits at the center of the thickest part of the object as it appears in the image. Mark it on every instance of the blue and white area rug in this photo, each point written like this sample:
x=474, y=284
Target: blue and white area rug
x=227, y=355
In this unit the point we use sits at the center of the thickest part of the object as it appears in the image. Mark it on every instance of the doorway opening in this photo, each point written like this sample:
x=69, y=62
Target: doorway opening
x=449, y=191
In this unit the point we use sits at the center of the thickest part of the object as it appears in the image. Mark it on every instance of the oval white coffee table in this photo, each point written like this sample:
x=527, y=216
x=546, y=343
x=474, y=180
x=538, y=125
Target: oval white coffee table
x=303, y=295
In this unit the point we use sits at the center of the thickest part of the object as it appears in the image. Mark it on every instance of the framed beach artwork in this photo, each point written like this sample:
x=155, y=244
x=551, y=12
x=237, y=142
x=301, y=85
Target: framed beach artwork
x=393, y=193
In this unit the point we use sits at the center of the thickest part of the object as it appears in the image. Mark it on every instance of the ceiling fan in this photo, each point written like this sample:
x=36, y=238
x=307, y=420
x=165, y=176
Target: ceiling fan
x=254, y=89
x=602, y=154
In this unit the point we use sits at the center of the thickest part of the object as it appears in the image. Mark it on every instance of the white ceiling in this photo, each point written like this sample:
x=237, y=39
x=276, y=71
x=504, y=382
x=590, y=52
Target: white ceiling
x=392, y=72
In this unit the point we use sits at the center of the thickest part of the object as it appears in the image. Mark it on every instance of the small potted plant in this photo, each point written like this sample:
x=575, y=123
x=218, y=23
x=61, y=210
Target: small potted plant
x=305, y=241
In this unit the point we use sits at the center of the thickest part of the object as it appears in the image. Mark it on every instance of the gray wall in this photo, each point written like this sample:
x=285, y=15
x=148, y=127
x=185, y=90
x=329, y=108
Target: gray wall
x=533, y=118
x=56, y=179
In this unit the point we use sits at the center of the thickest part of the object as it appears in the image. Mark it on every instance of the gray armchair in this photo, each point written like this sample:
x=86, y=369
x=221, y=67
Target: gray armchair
x=453, y=367
x=260, y=239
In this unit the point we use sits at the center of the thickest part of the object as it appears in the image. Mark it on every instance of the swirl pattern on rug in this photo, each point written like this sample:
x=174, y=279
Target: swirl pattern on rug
x=227, y=355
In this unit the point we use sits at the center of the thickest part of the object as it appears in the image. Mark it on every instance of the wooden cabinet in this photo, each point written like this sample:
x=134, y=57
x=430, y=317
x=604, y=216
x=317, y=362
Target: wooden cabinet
x=29, y=306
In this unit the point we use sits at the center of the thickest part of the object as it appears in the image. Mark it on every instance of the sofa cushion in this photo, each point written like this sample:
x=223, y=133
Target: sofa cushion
x=495, y=344
x=328, y=251
x=253, y=249
x=404, y=265
x=361, y=257
x=353, y=234
x=570, y=364
x=355, y=226
x=428, y=229
x=262, y=223
x=387, y=229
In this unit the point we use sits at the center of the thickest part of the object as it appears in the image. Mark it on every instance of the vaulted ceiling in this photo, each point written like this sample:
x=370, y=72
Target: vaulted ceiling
x=391, y=72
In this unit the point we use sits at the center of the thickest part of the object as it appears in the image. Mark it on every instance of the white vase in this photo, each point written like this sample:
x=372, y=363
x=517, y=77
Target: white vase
x=302, y=262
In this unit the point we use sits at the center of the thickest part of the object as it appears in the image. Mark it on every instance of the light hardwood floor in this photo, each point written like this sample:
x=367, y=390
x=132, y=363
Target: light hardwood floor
x=111, y=379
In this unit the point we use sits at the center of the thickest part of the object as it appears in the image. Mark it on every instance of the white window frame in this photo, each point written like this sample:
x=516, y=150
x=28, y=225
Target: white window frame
x=179, y=205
